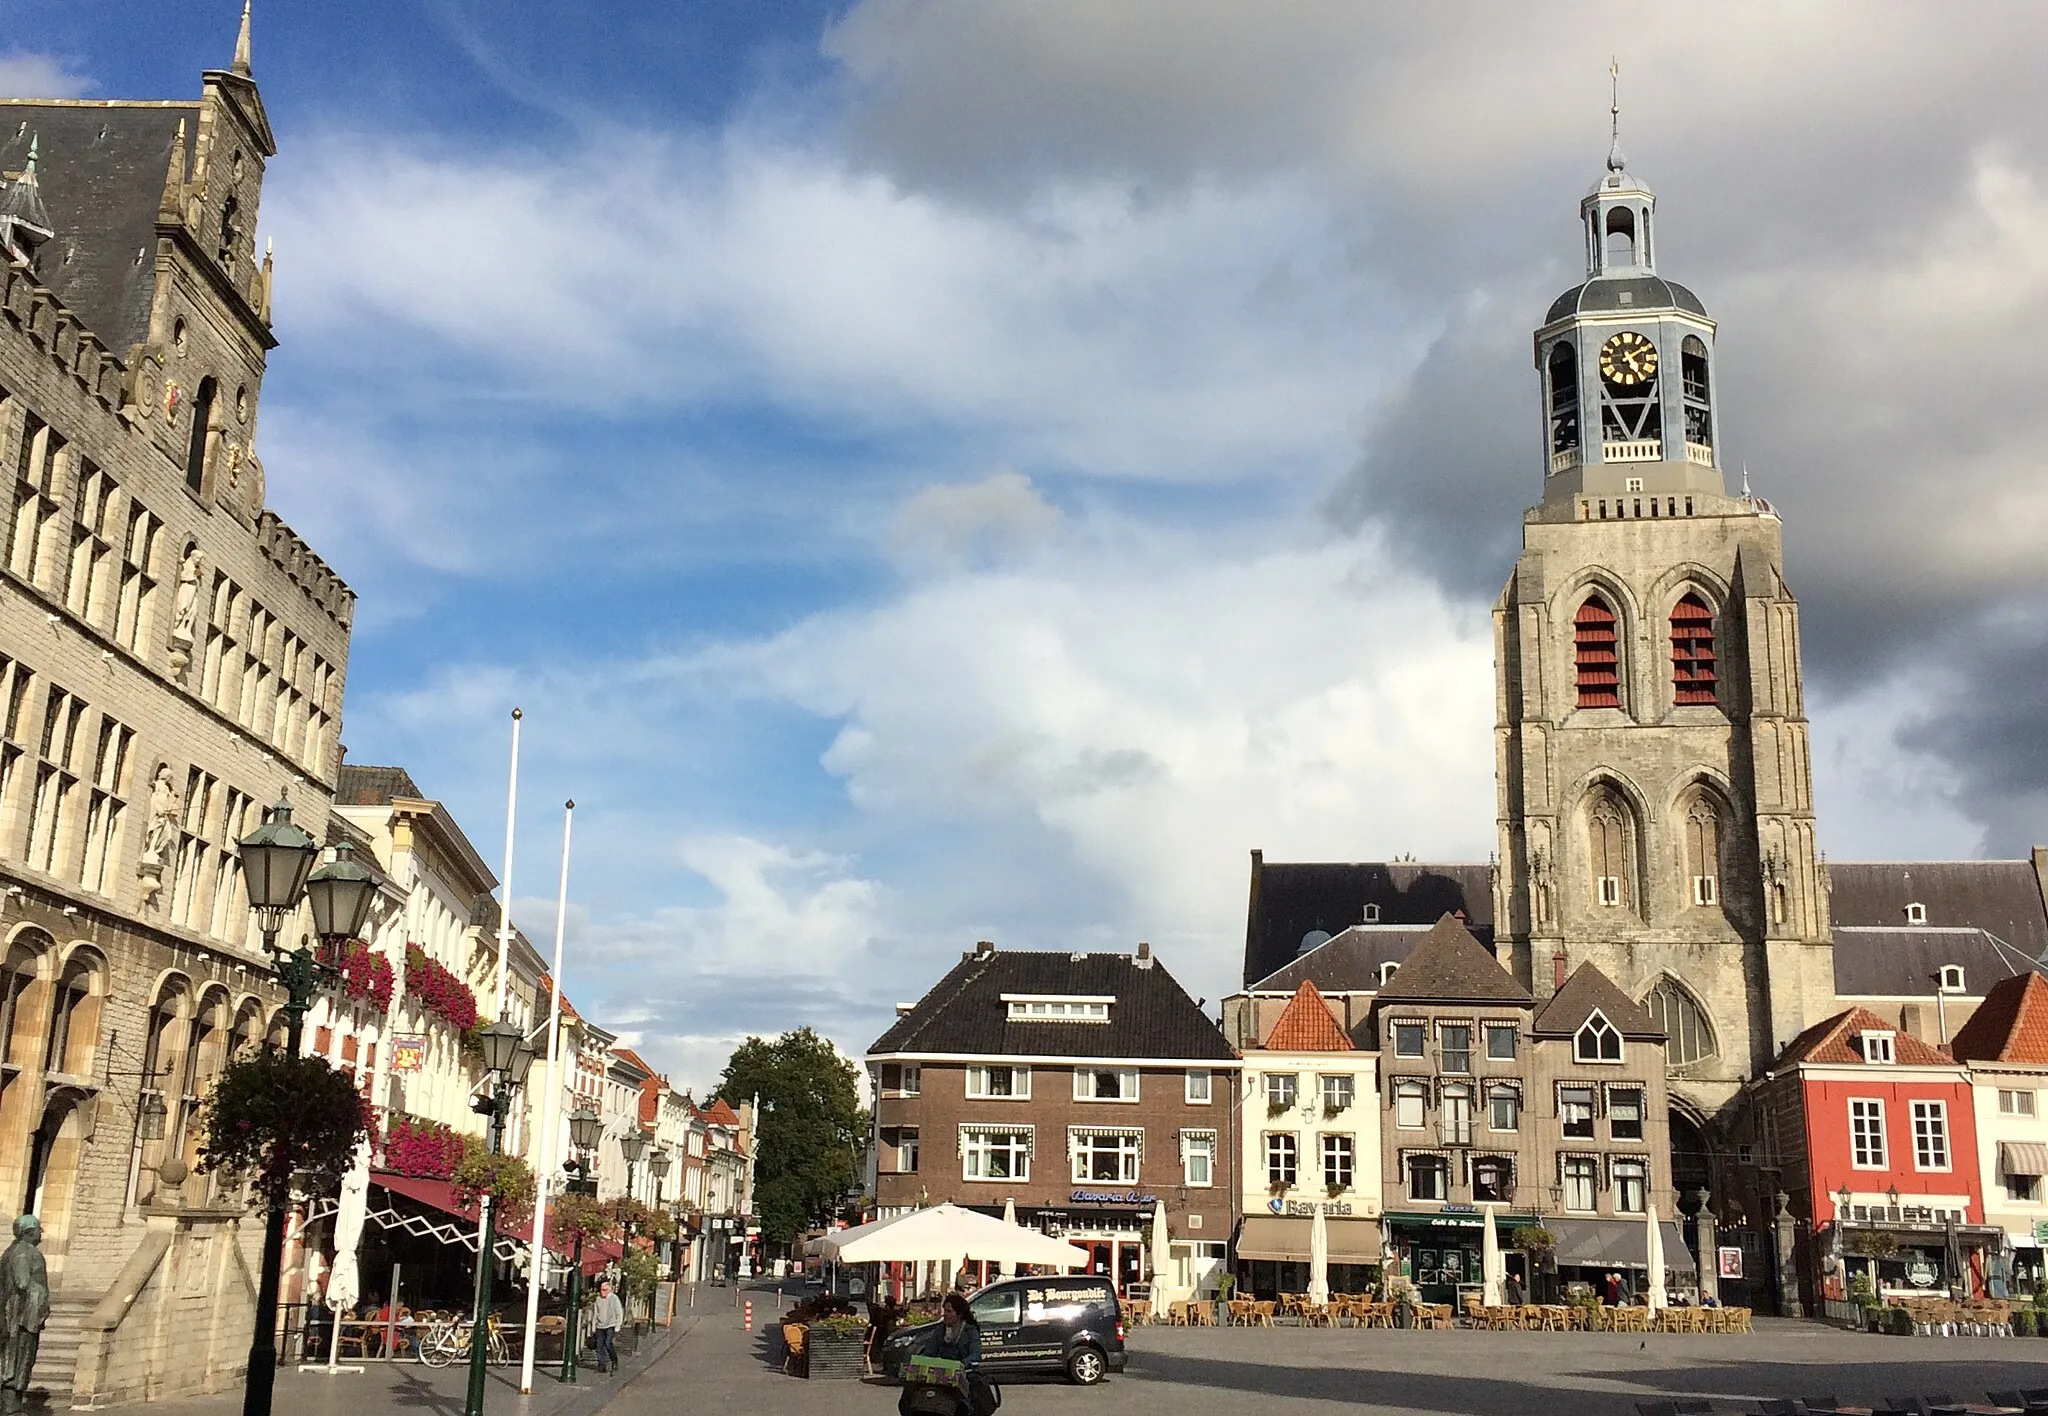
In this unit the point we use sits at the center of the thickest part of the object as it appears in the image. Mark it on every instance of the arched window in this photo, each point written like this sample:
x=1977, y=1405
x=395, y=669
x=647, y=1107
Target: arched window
x=1564, y=397
x=1597, y=650
x=1688, y=1037
x=1703, y=851
x=1596, y=1040
x=1699, y=420
x=74, y=1018
x=1621, y=238
x=1692, y=651
x=17, y=1020
x=1607, y=849
x=202, y=425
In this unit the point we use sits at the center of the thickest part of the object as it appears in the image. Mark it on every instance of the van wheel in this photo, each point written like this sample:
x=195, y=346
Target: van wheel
x=1085, y=1367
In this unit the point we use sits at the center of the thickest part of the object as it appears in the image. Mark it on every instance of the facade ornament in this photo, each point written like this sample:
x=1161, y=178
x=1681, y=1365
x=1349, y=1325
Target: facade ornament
x=159, y=833
x=185, y=612
x=173, y=396
x=1776, y=877
x=1539, y=883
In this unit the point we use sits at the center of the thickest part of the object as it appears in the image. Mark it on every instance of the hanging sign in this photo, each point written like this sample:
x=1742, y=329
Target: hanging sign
x=408, y=1052
x=1731, y=1261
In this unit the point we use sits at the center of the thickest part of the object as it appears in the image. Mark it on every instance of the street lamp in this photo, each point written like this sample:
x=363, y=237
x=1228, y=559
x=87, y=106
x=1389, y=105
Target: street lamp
x=586, y=1127
x=678, y=1212
x=631, y=1145
x=151, y=1124
x=507, y=1055
x=657, y=1166
x=277, y=867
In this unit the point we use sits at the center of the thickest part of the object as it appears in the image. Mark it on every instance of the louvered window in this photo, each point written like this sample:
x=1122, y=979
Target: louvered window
x=1598, y=653
x=1692, y=651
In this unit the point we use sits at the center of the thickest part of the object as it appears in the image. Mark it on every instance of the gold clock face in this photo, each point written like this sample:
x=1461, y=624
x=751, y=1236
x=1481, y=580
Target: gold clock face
x=1628, y=359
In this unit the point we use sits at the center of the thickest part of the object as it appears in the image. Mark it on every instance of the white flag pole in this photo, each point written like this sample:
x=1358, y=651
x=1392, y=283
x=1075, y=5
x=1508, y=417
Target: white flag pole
x=505, y=907
x=550, y=1106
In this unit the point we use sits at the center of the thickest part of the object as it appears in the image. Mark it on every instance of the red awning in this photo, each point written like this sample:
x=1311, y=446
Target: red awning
x=435, y=1194
x=441, y=1195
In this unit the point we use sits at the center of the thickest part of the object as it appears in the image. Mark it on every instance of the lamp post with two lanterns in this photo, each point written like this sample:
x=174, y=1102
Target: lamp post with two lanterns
x=586, y=1128
x=277, y=867
x=507, y=1055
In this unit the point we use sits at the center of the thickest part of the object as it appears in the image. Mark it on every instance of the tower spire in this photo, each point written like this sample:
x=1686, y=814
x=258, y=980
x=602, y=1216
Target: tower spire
x=241, y=64
x=1615, y=161
x=172, y=205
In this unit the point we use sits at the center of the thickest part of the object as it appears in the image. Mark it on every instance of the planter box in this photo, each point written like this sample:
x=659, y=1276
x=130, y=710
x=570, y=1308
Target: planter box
x=830, y=1358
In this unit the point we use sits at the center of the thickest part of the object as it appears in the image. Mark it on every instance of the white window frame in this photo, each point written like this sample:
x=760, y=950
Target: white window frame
x=1491, y=1030
x=1571, y=1169
x=977, y=1082
x=1283, y=1153
x=1879, y=1048
x=1931, y=1149
x=1127, y=1084
x=1200, y=1086
x=1085, y=1143
x=1058, y=1008
x=975, y=1145
x=1198, y=1146
x=1277, y=1082
x=1343, y=1086
x=1610, y=889
x=1951, y=980
x=1436, y=1163
x=1916, y=913
x=1410, y=1089
x=1629, y=1168
x=1605, y=1029
x=2013, y=1102
x=907, y=1144
x=1868, y=1146
x=1342, y=1150
x=1704, y=890
x=1514, y=1100
x=1387, y=970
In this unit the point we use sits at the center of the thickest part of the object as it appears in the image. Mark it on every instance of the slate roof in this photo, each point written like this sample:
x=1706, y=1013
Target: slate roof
x=963, y=1014
x=101, y=168
x=2002, y=896
x=1828, y=1041
x=374, y=786
x=1453, y=966
x=1903, y=961
x=1645, y=292
x=1307, y=1025
x=2010, y=1025
x=1349, y=962
x=1290, y=901
x=1586, y=990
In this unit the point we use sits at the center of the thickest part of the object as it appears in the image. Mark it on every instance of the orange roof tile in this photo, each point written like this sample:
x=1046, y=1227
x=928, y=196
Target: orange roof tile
x=719, y=1114
x=2010, y=1025
x=632, y=1059
x=1307, y=1025
x=1828, y=1041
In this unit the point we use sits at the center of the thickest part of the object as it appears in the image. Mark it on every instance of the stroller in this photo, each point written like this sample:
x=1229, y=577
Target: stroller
x=920, y=1397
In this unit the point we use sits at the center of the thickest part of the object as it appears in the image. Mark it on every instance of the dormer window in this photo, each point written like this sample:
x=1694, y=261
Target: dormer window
x=1596, y=1040
x=1950, y=980
x=1916, y=913
x=1877, y=1048
x=1047, y=1008
x=1387, y=971
x=1372, y=914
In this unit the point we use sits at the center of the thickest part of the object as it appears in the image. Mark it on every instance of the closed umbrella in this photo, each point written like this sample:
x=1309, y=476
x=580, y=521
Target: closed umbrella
x=1161, y=1251
x=1008, y=1269
x=1319, y=1258
x=1656, y=1258
x=344, y=1281
x=1492, y=1271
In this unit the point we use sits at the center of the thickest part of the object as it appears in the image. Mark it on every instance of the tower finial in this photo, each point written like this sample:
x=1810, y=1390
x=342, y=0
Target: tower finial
x=1615, y=161
x=241, y=65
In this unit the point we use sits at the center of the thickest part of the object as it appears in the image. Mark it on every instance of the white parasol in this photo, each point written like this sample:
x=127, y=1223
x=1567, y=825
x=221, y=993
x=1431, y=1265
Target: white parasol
x=1492, y=1269
x=1007, y=1268
x=1656, y=1260
x=1162, y=1252
x=344, y=1281
x=1319, y=1258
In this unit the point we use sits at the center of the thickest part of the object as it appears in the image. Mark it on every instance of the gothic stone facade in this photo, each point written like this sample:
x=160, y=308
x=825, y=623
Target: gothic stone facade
x=171, y=658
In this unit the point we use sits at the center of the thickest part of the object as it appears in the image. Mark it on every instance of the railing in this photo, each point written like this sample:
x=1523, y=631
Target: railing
x=1700, y=453
x=1564, y=461
x=1645, y=450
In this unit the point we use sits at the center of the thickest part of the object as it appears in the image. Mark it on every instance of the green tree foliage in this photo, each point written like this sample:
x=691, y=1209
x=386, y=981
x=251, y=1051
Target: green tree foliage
x=811, y=1132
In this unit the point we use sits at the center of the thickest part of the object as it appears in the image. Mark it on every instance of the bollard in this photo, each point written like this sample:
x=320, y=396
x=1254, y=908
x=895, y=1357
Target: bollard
x=750, y=1315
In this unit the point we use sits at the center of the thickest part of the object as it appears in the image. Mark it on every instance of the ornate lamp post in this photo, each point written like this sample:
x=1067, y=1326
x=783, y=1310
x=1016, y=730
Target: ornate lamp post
x=632, y=1146
x=507, y=1056
x=277, y=866
x=586, y=1127
x=657, y=1166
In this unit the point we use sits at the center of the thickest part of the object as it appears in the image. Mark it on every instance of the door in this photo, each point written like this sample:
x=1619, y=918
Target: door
x=1001, y=1315
x=1101, y=1256
x=1130, y=1265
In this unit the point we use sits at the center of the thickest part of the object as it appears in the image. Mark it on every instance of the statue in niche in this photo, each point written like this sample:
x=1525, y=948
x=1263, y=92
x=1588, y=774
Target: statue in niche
x=1539, y=883
x=1776, y=878
x=185, y=608
x=159, y=834
x=24, y=1308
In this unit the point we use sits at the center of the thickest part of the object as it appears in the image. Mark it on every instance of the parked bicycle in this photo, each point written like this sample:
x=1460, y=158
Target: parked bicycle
x=451, y=1339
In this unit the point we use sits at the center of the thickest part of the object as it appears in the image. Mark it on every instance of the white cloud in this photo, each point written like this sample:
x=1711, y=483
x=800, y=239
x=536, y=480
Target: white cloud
x=959, y=523
x=26, y=75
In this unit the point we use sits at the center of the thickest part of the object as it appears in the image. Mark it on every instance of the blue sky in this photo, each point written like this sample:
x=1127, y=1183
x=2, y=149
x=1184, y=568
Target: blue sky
x=937, y=472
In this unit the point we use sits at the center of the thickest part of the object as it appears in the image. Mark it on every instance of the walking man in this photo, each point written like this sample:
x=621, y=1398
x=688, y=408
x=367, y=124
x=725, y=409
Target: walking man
x=609, y=1315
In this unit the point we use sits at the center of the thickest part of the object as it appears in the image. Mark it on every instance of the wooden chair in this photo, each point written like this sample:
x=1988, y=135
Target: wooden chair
x=1241, y=1311
x=1138, y=1312
x=1177, y=1313
x=793, y=1353
x=1262, y=1313
x=1202, y=1314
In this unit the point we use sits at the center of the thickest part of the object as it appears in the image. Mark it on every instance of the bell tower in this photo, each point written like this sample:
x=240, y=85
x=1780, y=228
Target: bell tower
x=1655, y=797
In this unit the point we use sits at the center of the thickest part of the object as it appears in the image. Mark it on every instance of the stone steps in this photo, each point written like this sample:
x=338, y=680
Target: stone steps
x=57, y=1353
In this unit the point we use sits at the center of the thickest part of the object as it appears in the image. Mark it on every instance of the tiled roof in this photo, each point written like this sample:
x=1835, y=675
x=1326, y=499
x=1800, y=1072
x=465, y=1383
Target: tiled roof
x=1586, y=990
x=720, y=1114
x=1903, y=961
x=1452, y=966
x=650, y=1101
x=1350, y=961
x=374, y=786
x=1828, y=1041
x=633, y=1059
x=1307, y=1025
x=2002, y=896
x=1291, y=903
x=964, y=1015
x=2010, y=1025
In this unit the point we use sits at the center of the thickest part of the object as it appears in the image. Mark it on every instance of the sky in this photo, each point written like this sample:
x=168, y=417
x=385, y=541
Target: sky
x=936, y=472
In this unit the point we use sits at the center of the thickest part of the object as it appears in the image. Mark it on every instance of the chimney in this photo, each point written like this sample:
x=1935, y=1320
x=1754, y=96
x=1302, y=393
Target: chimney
x=904, y=1010
x=984, y=946
x=1557, y=971
x=1143, y=958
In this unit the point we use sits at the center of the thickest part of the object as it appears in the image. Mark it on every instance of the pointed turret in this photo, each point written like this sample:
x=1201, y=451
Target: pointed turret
x=24, y=221
x=171, y=207
x=241, y=64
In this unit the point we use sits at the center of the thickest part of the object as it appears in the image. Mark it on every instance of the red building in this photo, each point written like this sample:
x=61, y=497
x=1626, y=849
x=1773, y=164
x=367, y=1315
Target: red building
x=1873, y=1136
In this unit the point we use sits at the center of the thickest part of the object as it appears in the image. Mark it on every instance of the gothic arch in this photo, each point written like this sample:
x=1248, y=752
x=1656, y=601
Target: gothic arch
x=1705, y=827
x=1689, y=1031
x=78, y=997
x=1677, y=579
x=1609, y=825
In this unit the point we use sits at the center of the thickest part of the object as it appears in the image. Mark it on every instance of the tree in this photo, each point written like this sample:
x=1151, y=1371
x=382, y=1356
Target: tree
x=811, y=1131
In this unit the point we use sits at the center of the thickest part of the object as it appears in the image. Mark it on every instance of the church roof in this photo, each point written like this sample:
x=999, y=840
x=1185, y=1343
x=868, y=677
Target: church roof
x=2010, y=1025
x=1307, y=1025
x=1348, y=962
x=1290, y=902
x=1586, y=991
x=1827, y=1041
x=1609, y=294
x=1451, y=966
x=2001, y=896
x=1904, y=961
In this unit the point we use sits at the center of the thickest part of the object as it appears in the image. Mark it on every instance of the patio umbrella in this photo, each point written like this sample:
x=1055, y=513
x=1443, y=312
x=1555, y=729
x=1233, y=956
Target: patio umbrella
x=1958, y=1275
x=1319, y=1258
x=942, y=1234
x=1007, y=1268
x=344, y=1280
x=1161, y=1252
x=1656, y=1260
x=1492, y=1270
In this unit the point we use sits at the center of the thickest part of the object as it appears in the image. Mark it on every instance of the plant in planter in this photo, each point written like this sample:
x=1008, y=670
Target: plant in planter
x=2023, y=1324
x=505, y=1177
x=1898, y=1322
x=427, y=1149
x=279, y=1120
x=1336, y=1190
x=834, y=1346
x=1276, y=1109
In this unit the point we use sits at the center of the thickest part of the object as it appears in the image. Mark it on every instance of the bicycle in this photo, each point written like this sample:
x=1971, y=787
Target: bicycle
x=451, y=1339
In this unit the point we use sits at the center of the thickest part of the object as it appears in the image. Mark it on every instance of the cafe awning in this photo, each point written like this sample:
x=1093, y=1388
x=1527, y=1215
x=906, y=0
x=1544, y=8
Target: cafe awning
x=437, y=1212
x=1617, y=1243
x=2023, y=1157
x=1266, y=1236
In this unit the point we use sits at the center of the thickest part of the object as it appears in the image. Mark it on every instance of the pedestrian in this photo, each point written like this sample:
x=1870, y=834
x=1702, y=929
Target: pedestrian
x=1514, y=1287
x=609, y=1315
x=1612, y=1295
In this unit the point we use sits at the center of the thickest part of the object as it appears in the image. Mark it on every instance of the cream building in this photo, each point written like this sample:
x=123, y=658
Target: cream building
x=2005, y=1044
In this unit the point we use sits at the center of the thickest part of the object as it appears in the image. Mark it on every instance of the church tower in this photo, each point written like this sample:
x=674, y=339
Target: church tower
x=1655, y=797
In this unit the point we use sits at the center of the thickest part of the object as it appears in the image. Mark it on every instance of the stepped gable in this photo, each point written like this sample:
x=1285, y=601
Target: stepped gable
x=1827, y=1041
x=2010, y=1025
x=1307, y=1025
x=1586, y=991
x=1289, y=902
x=1453, y=966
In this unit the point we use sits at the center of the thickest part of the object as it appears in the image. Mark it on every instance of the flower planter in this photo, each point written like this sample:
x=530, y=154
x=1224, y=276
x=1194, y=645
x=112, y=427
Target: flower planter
x=830, y=1356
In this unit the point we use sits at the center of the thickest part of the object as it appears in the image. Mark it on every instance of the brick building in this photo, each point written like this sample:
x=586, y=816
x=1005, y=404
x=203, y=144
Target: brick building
x=171, y=659
x=1084, y=1089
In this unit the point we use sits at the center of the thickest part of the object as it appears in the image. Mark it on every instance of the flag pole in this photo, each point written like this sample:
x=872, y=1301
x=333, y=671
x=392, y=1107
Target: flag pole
x=550, y=1107
x=505, y=908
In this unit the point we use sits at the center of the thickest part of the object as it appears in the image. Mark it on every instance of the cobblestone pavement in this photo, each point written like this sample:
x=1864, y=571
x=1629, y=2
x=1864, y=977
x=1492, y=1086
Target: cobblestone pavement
x=716, y=1367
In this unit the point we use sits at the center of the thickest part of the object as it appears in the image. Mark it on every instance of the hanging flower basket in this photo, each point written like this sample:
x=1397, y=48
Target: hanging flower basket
x=276, y=1119
x=436, y=988
x=367, y=976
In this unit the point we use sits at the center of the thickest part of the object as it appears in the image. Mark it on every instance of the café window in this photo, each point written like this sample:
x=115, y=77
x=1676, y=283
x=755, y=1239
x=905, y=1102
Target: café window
x=1575, y=1111
x=1625, y=1113
x=1429, y=1177
x=1409, y=1039
x=999, y=1083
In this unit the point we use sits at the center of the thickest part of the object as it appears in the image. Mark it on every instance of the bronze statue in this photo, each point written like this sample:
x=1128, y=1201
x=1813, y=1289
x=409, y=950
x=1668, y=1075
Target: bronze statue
x=24, y=1308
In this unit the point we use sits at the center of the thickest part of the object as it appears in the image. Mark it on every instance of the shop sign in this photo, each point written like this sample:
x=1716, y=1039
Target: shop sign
x=1111, y=1197
x=408, y=1052
x=2041, y=1232
x=1731, y=1261
x=1460, y=1209
x=1920, y=1273
x=1307, y=1208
